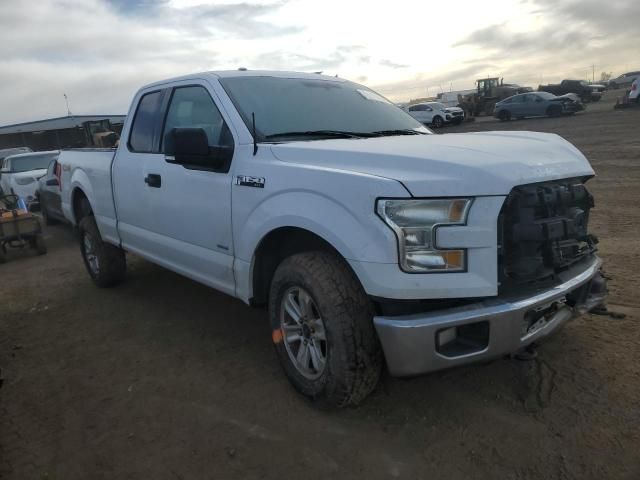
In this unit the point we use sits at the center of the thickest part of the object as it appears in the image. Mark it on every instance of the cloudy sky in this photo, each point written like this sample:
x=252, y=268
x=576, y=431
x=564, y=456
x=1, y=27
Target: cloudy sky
x=99, y=52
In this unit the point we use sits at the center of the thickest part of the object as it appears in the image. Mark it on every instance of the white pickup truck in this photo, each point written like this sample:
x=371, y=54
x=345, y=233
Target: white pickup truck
x=369, y=238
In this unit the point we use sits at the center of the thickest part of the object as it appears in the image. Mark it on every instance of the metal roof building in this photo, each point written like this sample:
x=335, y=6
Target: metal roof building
x=55, y=133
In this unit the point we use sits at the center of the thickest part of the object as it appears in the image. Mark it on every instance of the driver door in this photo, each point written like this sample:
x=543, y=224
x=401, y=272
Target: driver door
x=183, y=216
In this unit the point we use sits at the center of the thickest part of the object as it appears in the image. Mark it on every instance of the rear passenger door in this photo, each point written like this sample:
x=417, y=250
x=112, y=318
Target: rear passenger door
x=134, y=159
x=517, y=107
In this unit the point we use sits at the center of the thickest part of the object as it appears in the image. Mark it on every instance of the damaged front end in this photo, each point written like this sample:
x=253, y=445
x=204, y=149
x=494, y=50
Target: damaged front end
x=543, y=229
x=571, y=103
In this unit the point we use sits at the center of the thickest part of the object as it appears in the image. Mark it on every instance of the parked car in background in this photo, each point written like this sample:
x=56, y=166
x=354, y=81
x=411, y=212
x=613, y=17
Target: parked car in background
x=371, y=240
x=428, y=115
x=6, y=152
x=537, y=104
x=48, y=194
x=586, y=92
x=624, y=80
x=634, y=93
x=19, y=174
x=435, y=114
x=456, y=113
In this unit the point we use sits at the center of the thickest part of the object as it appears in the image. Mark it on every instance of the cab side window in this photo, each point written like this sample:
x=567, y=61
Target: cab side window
x=144, y=122
x=193, y=107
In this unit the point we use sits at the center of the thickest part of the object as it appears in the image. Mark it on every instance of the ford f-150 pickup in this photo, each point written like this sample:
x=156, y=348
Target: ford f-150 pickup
x=369, y=238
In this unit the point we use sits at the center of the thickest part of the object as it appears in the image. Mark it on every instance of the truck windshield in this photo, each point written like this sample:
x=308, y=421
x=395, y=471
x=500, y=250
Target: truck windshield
x=308, y=109
x=31, y=162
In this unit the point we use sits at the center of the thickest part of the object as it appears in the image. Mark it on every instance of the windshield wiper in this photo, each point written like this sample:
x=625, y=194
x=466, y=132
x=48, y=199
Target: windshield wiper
x=321, y=133
x=407, y=131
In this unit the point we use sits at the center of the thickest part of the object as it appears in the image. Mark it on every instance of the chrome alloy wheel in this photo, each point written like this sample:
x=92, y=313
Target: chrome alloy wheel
x=90, y=254
x=303, y=332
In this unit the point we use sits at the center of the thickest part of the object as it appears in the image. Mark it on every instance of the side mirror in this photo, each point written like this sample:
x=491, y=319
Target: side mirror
x=190, y=147
x=52, y=182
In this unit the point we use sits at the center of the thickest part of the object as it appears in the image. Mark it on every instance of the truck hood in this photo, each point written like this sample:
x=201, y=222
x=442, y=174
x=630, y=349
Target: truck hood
x=455, y=164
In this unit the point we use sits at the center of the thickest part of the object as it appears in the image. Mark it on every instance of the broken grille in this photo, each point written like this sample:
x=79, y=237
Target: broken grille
x=543, y=231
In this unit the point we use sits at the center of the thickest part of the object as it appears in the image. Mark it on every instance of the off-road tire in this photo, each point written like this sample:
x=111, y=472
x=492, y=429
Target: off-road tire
x=112, y=260
x=354, y=355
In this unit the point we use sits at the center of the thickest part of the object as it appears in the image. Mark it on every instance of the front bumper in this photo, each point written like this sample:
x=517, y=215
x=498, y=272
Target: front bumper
x=492, y=328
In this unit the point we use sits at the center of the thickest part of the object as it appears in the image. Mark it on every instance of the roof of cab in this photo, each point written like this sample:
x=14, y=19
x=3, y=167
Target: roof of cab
x=246, y=73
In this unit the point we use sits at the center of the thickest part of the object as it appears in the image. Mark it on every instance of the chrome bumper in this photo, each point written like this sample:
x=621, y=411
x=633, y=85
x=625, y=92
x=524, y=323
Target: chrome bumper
x=414, y=344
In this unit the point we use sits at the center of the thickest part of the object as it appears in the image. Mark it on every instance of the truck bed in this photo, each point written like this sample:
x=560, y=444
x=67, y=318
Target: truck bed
x=91, y=168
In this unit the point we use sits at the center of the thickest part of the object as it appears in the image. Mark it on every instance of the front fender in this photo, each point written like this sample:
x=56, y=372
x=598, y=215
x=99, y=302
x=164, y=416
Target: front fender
x=360, y=236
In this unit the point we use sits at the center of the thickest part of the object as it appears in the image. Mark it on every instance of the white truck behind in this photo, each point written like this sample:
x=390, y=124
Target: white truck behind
x=369, y=238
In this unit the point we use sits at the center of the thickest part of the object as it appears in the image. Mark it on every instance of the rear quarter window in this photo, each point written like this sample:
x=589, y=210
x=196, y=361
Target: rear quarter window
x=141, y=138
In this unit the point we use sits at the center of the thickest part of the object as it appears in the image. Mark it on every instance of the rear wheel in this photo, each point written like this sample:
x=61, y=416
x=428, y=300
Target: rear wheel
x=322, y=329
x=105, y=263
x=437, y=122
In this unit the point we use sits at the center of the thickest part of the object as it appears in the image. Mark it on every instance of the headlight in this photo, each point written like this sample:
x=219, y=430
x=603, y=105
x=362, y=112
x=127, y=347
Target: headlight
x=415, y=223
x=25, y=180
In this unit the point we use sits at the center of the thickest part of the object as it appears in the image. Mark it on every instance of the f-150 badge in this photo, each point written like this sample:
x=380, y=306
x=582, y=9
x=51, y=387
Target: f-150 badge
x=247, y=181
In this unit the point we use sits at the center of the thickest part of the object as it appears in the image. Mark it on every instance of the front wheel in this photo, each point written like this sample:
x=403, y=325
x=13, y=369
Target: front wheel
x=554, y=111
x=437, y=122
x=322, y=329
x=105, y=263
x=504, y=116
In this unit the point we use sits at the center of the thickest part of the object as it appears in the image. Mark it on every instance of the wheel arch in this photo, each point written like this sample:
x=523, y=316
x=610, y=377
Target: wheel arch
x=80, y=205
x=277, y=245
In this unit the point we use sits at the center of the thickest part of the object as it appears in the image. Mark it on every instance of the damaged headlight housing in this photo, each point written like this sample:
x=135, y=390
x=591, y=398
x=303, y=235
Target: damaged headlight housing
x=415, y=222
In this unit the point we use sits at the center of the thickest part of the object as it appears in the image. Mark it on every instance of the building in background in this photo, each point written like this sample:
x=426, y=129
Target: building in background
x=74, y=131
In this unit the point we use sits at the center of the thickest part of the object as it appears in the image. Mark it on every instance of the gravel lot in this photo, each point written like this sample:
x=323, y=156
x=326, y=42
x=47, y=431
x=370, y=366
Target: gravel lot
x=163, y=378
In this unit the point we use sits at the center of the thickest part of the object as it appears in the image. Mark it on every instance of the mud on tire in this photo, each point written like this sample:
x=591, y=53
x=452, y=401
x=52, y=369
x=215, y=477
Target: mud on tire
x=111, y=261
x=353, y=354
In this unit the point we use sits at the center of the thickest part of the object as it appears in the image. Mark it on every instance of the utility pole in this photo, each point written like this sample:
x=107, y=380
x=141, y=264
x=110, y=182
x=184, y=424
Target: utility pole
x=66, y=99
x=593, y=74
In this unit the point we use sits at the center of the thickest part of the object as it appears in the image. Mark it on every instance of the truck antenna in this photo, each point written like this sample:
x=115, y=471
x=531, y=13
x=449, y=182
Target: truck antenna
x=253, y=125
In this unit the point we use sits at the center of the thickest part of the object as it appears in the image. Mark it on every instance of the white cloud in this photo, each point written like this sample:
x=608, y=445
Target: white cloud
x=100, y=51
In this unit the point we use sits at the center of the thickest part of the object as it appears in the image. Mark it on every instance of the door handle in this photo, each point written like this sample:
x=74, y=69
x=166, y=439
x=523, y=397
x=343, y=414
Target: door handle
x=153, y=180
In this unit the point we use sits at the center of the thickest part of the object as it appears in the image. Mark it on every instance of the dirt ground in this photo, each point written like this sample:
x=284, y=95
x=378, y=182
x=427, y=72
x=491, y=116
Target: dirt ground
x=162, y=378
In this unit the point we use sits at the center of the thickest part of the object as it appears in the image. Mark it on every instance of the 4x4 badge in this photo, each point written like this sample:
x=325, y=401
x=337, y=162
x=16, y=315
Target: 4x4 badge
x=247, y=181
